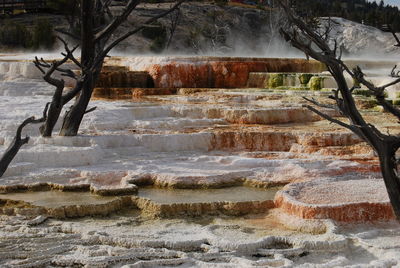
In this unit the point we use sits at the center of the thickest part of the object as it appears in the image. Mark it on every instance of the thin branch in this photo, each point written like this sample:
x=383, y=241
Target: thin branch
x=70, y=53
x=90, y=110
x=118, y=20
x=391, y=83
x=128, y=34
x=174, y=21
x=329, y=118
x=73, y=36
x=378, y=92
x=55, y=66
x=51, y=69
x=313, y=101
x=18, y=141
x=393, y=73
x=327, y=56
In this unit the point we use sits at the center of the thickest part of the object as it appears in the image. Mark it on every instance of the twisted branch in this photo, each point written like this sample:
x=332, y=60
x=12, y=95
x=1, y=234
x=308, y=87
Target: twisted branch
x=18, y=141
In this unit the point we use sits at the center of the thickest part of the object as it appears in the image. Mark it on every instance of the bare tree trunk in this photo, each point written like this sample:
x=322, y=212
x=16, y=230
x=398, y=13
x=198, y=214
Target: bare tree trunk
x=56, y=107
x=54, y=113
x=392, y=181
x=74, y=116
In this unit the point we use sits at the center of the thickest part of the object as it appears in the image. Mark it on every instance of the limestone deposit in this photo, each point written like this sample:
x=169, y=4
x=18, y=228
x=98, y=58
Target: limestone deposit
x=346, y=200
x=174, y=169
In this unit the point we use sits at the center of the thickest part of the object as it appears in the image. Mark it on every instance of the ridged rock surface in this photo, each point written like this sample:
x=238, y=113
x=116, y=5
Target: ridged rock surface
x=214, y=72
x=344, y=200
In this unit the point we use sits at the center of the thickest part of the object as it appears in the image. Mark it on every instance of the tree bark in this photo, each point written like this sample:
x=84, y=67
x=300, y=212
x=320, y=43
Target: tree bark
x=87, y=34
x=46, y=129
x=74, y=116
x=94, y=49
x=54, y=113
x=392, y=181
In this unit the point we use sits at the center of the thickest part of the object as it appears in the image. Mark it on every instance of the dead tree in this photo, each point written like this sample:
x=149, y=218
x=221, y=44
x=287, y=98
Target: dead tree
x=173, y=20
x=59, y=98
x=18, y=141
x=98, y=25
x=96, y=39
x=315, y=45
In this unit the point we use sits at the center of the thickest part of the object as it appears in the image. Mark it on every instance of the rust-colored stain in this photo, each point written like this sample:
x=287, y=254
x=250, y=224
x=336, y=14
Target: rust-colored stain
x=222, y=73
x=357, y=212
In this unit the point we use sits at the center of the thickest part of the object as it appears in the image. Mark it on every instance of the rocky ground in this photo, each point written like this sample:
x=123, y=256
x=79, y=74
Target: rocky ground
x=205, y=28
x=126, y=240
x=361, y=40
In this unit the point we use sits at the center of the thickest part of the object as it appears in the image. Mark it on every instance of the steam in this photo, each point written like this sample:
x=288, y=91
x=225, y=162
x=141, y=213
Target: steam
x=244, y=32
x=227, y=31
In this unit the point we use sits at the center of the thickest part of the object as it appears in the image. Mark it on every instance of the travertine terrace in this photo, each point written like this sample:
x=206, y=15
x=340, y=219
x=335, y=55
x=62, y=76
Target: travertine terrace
x=194, y=162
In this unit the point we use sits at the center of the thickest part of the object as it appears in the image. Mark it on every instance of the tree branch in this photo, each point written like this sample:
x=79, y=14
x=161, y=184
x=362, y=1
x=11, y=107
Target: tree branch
x=329, y=118
x=90, y=110
x=126, y=35
x=117, y=21
x=73, y=36
x=70, y=53
x=313, y=101
x=378, y=92
x=18, y=141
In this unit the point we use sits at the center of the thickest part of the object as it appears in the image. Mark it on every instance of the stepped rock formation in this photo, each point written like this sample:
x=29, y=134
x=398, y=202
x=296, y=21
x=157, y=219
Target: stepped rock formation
x=166, y=74
x=343, y=200
x=214, y=72
x=197, y=140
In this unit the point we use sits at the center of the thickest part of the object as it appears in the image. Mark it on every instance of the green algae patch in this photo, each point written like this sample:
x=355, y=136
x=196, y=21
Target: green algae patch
x=275, y=80
x=316, y=83
x=396, y=102
x=299, y=88
x=283, y=88
x=305, y=78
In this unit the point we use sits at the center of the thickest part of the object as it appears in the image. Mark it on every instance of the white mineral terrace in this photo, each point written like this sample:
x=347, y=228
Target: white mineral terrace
x=117, y=195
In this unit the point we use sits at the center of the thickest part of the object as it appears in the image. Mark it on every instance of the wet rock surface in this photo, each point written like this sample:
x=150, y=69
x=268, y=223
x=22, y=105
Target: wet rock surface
x=125, y=239
x=212, y=72
x=345, y=200
x=152, y=202
x=189, y=140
